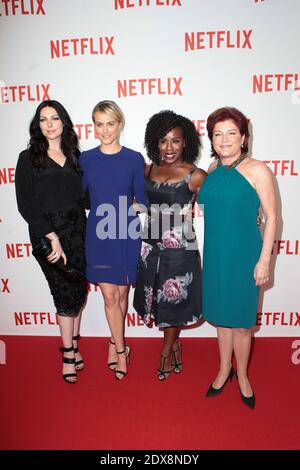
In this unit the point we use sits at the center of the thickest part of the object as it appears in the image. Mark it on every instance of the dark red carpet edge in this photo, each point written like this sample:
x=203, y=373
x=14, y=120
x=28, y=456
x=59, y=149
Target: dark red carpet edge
x=40, y=411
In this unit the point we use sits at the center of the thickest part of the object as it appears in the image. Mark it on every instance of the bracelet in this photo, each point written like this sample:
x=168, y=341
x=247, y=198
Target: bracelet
x=52, y=239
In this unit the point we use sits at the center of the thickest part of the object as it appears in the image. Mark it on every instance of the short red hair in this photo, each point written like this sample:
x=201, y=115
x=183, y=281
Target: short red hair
x=222, y=114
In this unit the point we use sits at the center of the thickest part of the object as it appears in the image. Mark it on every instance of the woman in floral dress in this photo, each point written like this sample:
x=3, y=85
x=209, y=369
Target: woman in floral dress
x=168, y=287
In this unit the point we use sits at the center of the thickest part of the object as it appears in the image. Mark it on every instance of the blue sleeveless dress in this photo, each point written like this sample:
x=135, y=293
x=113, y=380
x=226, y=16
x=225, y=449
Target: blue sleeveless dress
x=232, y=246
x=113, y=235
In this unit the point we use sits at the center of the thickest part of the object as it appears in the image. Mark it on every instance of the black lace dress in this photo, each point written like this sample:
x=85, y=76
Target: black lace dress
x=53, y=201
x=168, y=287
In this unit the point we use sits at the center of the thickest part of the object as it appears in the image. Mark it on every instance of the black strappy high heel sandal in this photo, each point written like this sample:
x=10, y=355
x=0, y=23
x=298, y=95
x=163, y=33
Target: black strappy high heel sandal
x=68, y=360
x=125, y=351
x=77, y=363
x=163, y=374
x=114, y=363
x=177, y=366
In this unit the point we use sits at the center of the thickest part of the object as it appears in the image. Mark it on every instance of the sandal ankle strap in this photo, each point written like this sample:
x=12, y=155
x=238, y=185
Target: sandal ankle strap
x=68, y=360
x=76, y=338
x=63, y=349
x=121, y=352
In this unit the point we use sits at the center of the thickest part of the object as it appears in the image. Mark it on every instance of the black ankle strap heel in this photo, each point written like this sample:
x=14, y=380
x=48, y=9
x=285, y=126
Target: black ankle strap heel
x=76, y=350
x=68, y=360
x=163, y=374
x=113, y=363
x=125, y=351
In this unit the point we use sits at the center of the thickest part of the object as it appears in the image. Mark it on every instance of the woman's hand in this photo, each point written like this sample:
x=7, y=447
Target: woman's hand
x=261, y=273
x=56, y=252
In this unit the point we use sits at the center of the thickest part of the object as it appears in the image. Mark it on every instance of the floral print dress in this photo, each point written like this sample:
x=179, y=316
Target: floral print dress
x=168, y=287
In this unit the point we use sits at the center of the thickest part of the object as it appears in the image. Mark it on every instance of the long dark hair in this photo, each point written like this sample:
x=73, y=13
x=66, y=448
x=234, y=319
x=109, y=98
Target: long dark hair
x=163, y=122
x=38, y=144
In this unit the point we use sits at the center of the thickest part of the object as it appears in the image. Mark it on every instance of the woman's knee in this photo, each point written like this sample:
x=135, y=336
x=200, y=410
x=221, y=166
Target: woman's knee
x=242, y=331
x=111, y=299
x=123, y=295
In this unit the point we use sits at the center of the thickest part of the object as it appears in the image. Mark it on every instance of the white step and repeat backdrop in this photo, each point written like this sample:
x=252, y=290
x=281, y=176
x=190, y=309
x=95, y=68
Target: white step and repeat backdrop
x=190, y=56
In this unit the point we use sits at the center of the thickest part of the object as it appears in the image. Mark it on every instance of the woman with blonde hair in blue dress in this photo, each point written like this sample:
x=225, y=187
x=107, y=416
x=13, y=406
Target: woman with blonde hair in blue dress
x=114, y=177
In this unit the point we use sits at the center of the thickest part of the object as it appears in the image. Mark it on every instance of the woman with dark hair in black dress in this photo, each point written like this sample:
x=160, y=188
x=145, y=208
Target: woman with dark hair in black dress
x=168, y=287
x=51, y=199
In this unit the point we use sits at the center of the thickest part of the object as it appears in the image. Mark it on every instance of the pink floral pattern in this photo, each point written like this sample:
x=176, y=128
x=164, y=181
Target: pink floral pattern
x=145, y=250
x=168, y=288
x=171, y=239
x=149, y=301
x=175, y=290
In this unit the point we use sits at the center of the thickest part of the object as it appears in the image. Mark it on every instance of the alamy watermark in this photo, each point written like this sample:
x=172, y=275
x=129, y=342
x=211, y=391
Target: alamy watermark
x=295, y=358
x=2, y=352
x=172, y=223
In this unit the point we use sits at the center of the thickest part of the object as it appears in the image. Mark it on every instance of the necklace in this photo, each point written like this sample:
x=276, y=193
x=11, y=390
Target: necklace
x=234, y=163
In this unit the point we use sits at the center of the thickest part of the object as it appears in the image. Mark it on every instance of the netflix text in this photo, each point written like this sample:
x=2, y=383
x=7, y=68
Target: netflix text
x=21, y=7
x=85, y=131
x=149, y=86
x=286, y=247
x=278, y=318
x=81, y=46
x=202, y=40
x=21, y=93
x=35, y=318
x=4, y=287
x=121, y=4
x=18, y=250
x=7, y=175
x=282, y=167
x=275, y=82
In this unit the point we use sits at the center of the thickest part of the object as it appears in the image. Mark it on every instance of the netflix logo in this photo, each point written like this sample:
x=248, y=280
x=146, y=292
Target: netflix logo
x=282, y=167
x=200, y=126
x=35, y=318
x=7, y=175
x=149, y=86
x=275, y=82
x=121, y=4
x=286, y=247
x=4, y=287
x=239, y=39
x=85, y=131
x=20, y=93
x=278, y=318
x=93, y=287
x=18, y=250
x=21, y=7
x=133, y=319
x=81, y=46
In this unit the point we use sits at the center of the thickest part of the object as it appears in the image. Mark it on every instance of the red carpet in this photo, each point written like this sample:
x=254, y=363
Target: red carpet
x=39, y=411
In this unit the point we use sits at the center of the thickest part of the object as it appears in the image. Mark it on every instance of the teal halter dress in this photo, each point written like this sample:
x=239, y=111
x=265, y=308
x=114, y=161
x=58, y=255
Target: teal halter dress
x=232, y=246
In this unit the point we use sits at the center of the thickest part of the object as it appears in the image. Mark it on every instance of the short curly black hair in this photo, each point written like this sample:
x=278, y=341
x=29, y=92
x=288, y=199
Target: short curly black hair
x=163, y=122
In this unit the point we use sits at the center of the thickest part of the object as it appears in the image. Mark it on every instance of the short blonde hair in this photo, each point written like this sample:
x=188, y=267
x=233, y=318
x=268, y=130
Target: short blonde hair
x=109, y=107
